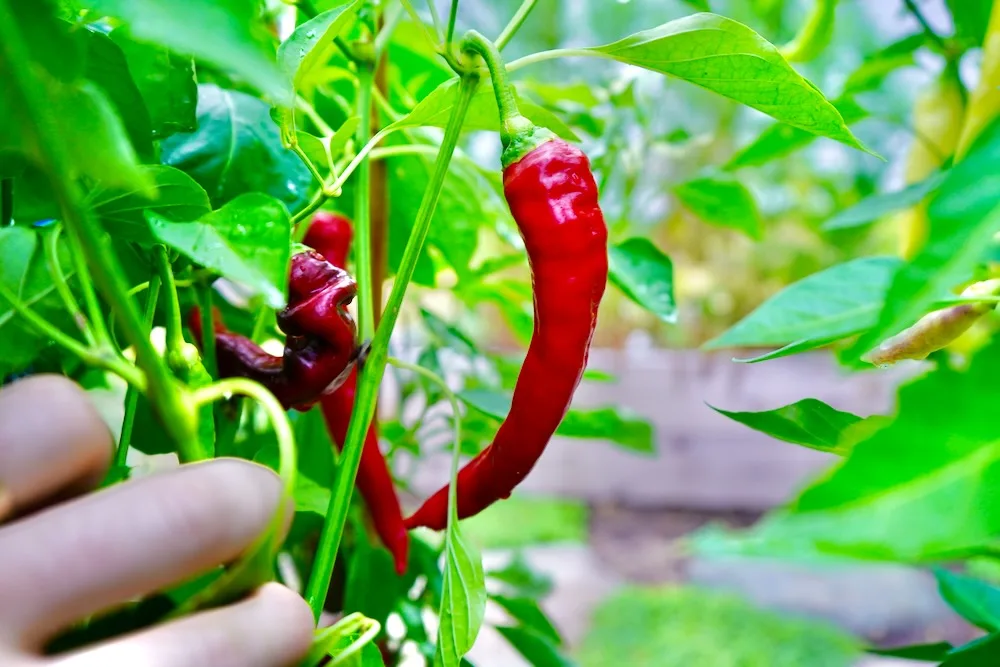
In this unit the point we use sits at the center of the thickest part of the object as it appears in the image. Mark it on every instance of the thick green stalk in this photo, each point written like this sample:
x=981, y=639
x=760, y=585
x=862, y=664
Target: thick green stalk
x=371, y=375
x=452, y=18
x=177, y=417
x=362, y=210
x=207, y=332
x=132, y=395
x=174, y=322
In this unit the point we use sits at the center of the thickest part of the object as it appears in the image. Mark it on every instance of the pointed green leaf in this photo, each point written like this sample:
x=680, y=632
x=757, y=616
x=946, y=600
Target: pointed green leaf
x=795, y=347
x=781, y=139
x=730, y=59
x=237, y=149
x=106, y=66
x=246, y=241
x=838, y=302
x=645, y=275
x=166, y=82
x=922, y=488
x=537, y=648
x=877, y=206
x=809, y=422
x=722, y=202
x=311, y=44
x=927, y=652
x=225, y=33
x=176, y=196
x=528, y=613
x=964, y=216
x=463, y=599
x=975, y=600
x=982, y=652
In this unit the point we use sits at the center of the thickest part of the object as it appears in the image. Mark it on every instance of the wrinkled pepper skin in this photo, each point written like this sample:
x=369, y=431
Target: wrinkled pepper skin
x=331, y=236
x=320, y=337
x=553, y=198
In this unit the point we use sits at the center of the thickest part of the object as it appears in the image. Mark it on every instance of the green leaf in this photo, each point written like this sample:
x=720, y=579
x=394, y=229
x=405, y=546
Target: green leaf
x=877, y=206
x=926, y=652
x=311, y=45
x=616, y=425
x=527, y=612
x=982, y=652
x=795, y=347
x=373, y=587
x=226, y=33
x=700, y=5
x=309, y=496
x=921, y=489
x=463, y=599
x=781, y=139
x=518, y=578
x=809, y=422
x=166, y=82
x=872, y=72
x=976, y=601
x=246, y=241
x=23, y=272
x=971, y=18
x=538, y=649
x=837, y=302
x=435, y=109
x=466, y=200
x=645, y=275
x=177, y=197
x=106, y=66
x=730, y=59
x=964, y=215
x=722, y=202
x=237, y=149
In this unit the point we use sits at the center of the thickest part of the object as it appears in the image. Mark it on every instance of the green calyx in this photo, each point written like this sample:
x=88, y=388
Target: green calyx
x=521, y=142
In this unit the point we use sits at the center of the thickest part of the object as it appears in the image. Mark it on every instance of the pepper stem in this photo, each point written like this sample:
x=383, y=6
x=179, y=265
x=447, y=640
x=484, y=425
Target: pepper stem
x=512, y=122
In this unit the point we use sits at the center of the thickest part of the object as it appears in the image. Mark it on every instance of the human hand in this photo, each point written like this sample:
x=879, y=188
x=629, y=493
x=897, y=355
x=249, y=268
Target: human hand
x=64, y=558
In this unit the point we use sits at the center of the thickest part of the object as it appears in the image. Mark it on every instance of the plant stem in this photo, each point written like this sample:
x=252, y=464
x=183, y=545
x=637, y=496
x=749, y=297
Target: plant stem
x=6, y=202
x=515, y=23
x=22, y=87
x=174, y=322
x=95, y=314
x=307, y=161
x=208, y=330
x=108, y=362
x=511, y=120
x=911, y=6
x=51, y=242
x=317, y=200
x=132, y=394
x=551, y=54
x=984, y=103
x=371, y=375
x=435, y=18
x=362, y=208
x=452, y=17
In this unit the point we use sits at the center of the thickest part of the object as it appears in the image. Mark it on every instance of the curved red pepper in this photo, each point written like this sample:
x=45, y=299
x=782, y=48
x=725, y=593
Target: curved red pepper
x=553, y=198
x=320, y=337
x=331, y=235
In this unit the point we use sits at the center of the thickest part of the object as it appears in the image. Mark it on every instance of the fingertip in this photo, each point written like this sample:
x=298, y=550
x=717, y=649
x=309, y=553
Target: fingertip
x=291, y=614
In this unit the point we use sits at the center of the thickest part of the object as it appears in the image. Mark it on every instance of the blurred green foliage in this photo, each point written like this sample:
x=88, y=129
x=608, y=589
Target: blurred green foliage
x=667, y=627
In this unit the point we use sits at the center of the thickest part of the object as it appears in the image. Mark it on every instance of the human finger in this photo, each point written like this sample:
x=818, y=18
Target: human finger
x=52, y=441
x=95, y=552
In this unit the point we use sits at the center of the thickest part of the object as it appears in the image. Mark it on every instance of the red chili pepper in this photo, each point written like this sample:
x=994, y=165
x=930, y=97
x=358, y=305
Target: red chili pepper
x=553, y=198
x=320, y=337
x=331, y=236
